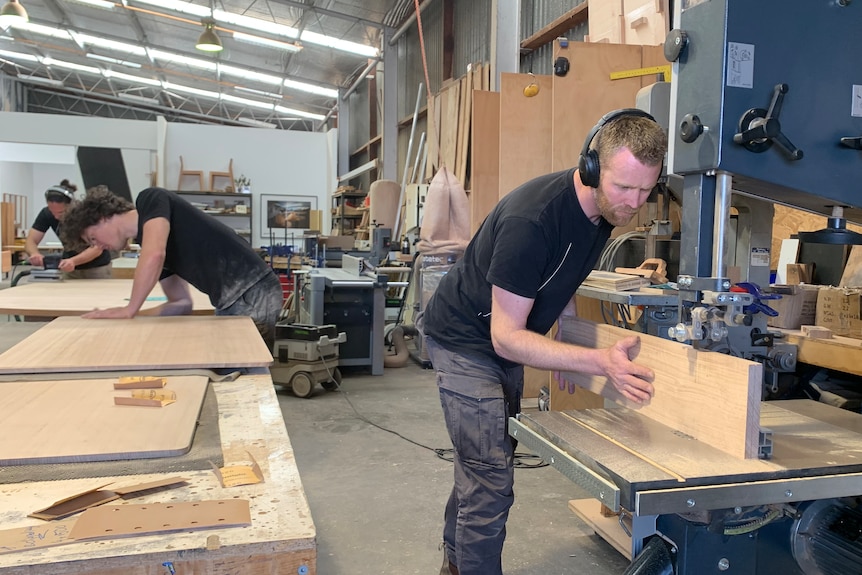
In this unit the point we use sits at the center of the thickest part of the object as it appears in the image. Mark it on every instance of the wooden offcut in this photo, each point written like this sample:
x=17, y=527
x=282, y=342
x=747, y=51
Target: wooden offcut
x=75, y=344
x=712, y=397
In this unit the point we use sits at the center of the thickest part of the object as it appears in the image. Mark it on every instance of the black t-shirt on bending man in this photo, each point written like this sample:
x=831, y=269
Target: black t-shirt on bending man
x=45, y=220
x=536, y=243
x=201, y=250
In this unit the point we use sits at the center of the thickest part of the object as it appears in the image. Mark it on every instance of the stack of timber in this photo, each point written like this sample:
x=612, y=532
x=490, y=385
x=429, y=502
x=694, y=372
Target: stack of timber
x=449, y=113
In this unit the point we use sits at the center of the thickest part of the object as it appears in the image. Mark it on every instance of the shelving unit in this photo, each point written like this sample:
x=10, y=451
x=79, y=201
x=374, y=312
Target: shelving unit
x=234, y=210
x=347, y=210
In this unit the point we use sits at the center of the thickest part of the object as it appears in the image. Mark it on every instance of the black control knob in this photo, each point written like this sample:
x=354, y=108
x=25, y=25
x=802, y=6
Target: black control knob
x=854, y=143
x=759, y=128
x=690, y=128
x=674, y=44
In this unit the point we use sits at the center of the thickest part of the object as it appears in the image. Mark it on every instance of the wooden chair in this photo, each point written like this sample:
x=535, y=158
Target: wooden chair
x=191, y=174
x=228, y=174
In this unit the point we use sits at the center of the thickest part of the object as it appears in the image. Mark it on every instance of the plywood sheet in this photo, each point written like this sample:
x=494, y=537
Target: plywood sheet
x=76, y=297
x=485, y=159
x=525, y=123
x=587, y=93
x=74, y=344
x=72, y=421
x=712, y=397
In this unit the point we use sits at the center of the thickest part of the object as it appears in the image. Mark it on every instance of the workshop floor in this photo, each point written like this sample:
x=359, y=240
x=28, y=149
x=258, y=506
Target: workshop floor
x=377, y=499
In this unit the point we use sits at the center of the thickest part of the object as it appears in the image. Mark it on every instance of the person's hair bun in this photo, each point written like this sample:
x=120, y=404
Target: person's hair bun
x=68, y=185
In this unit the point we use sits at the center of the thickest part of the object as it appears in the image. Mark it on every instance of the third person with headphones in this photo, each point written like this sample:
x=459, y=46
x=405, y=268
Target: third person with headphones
x=489, y=314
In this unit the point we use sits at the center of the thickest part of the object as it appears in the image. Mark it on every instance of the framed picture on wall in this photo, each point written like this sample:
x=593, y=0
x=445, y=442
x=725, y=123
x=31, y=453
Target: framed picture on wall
x=281, y=214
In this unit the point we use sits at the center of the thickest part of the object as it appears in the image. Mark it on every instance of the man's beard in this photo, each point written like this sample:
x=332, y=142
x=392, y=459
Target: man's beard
x=616, y=215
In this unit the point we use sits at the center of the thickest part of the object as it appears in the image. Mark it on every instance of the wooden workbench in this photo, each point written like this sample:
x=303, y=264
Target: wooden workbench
x=76, y=297
x=280, y=540
x=838, y=353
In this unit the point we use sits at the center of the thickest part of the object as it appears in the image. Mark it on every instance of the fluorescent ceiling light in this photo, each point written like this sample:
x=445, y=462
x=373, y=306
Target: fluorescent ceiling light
x=190, y=90
x=180, y=59
x=256, y=24
x=138, y=99
x=177, y=6
x=249, y=39
x=44, y=30
x=97, y=3
x=272, y=95
x=17, y=56
x=300, y=113
x=344, y=45
x=111, y=44
x=269, y=106
x=256, y=123
x=40, y=80
x=311, y=88
x=131, y=78
x=71, y=66
x=249, y=74
x=114, y=60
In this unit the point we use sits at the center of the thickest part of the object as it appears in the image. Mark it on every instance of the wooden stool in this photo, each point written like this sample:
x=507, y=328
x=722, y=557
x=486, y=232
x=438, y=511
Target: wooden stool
x=190, y=173
x=228, y=174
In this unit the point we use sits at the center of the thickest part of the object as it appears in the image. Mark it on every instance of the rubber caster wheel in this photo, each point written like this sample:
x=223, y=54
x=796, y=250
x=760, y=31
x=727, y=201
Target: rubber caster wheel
x=302, y=384
x=335, y=383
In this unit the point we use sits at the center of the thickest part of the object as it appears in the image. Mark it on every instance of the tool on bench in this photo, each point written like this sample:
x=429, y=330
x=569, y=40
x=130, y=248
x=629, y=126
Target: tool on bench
x=51, y=270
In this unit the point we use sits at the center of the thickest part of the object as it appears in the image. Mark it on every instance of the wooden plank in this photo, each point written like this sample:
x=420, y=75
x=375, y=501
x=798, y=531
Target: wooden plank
x=485, y=160
x=839, y=353
x=712, y=397
x=74, y=344
x=464, y=127
x=70, y=421
x=852, y=276
x=450, y=98
x=282, y=536
x=76, y=297
x=574, y=17
x=525, y=148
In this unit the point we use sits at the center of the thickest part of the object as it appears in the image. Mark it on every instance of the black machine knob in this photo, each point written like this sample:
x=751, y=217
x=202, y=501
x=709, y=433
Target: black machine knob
x=674, y=44
x=759, y=128
x=855, y=143
x=690, y=128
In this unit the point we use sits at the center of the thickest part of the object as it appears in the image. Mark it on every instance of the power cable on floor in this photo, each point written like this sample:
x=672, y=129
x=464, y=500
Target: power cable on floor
x=522, y=460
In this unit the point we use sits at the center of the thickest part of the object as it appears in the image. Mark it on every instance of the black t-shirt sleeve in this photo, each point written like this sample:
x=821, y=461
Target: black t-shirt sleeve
x=153, y=203
x=518, y=258
x=44, y=221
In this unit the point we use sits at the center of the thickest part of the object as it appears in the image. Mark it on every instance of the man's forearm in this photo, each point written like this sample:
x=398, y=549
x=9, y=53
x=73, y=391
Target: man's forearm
x=535, y=350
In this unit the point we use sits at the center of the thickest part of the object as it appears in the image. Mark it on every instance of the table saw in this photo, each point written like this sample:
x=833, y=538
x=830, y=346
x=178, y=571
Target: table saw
x=759, y=114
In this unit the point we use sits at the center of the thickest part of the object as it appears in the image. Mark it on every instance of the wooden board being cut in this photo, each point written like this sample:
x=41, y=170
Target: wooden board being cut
x=74, y=344
x=712, y=397
x=71, y=421
x=77, y=297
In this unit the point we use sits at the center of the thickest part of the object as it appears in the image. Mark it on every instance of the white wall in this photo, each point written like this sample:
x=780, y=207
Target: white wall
x=278, y=162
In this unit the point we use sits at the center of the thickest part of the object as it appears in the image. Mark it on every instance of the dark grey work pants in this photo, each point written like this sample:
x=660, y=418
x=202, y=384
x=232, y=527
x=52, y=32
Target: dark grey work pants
x=477, y=396
x=262, y=302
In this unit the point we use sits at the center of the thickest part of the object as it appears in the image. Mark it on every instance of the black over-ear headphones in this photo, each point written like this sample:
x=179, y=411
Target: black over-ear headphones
x=588, y=161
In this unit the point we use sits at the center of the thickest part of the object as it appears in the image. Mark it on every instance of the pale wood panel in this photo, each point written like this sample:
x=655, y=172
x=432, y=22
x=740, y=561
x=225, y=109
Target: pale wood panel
x=450, y=100
x=587, y=93
x=485, y=159
x=713, y=397
x=69, y=421
x=525, y=148
x=281, y=538
x=76, y=297
x=74, y=344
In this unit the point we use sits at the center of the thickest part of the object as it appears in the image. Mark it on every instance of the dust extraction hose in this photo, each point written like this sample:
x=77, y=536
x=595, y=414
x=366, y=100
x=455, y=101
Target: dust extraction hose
x=401, y=355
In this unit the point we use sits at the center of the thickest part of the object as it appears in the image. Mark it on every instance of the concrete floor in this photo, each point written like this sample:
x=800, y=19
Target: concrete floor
x=377, y=499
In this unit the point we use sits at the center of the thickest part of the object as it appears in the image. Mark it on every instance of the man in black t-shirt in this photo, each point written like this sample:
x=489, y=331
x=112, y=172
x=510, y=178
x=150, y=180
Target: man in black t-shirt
x=179, y=244
x=488, y=316
x=89, y=263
